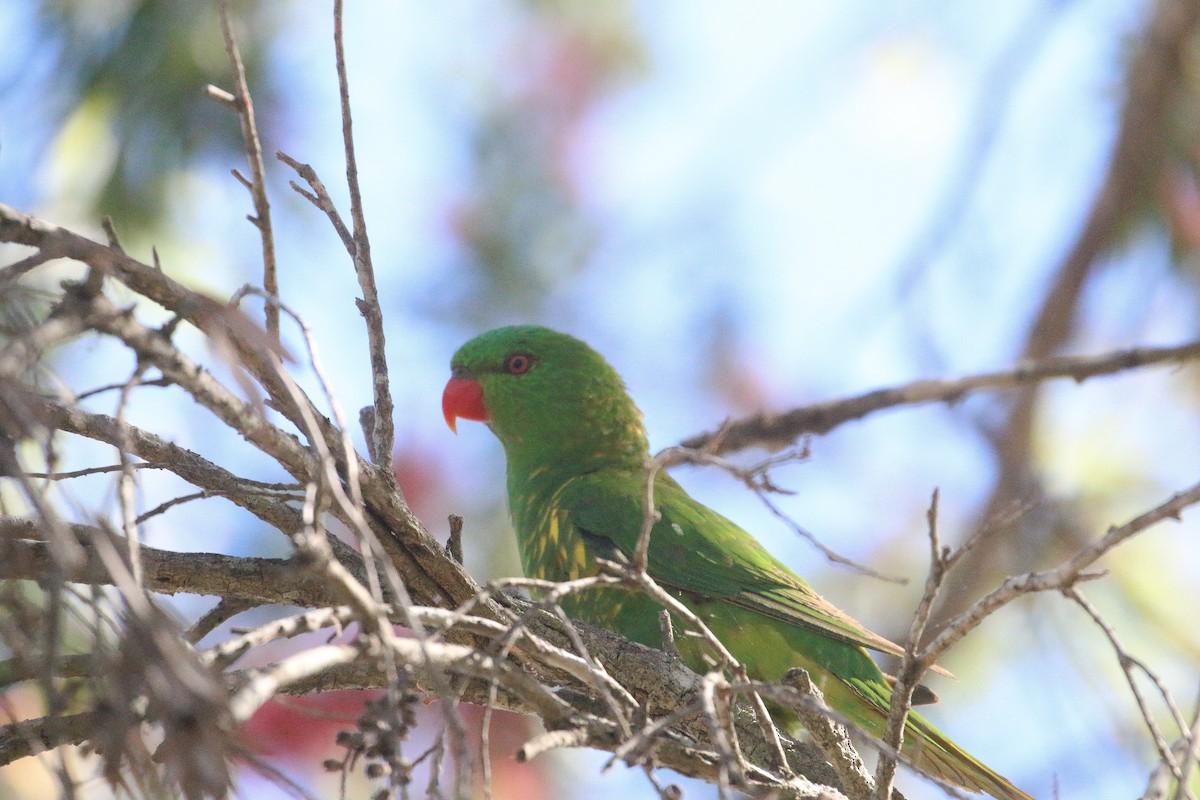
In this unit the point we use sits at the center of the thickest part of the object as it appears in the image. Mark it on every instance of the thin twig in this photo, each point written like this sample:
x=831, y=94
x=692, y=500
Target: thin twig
x=909, y=675
x=1069, y=572
x=115, y=386
x=552, y=740
x=319, y=197
x=126, y=489
x=1128, y=664
x=258, y=184
x=757, y=479
x=717, y=719
x=19, y=268
x=1189, y=743
x=650, y=515
x=369, y=306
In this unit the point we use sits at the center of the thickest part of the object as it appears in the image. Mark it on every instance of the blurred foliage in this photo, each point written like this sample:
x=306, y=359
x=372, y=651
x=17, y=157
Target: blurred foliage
x=127, y=98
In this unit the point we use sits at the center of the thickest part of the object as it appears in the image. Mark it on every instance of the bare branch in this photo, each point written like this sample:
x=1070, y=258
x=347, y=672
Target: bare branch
x=369, y=305
x=256, y=352
x=183, y=462
x=911, y=669
x=1065, y=575
x=1128, y=664
x=553, y=740
x=757, y=479
x=18, y=268
x=265, y=580
x=244, y=105
x=319, y=197
x=829, y=735
x=778, y=430
x=1145, y=137
x=29, y=737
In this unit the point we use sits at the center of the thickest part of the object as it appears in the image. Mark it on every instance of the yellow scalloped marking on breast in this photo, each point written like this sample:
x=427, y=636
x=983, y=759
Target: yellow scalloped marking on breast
x=579, y=560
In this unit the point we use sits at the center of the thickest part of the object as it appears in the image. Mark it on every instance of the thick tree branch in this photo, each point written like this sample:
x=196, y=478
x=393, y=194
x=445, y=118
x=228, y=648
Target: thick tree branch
x=264, y=580
x=659, y=679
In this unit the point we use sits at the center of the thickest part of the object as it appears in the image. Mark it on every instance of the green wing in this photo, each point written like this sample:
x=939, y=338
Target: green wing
x=694, y=550
x=699, y=554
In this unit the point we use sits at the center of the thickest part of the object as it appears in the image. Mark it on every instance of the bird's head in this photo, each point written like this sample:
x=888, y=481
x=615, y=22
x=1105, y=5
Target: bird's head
x=544, y=394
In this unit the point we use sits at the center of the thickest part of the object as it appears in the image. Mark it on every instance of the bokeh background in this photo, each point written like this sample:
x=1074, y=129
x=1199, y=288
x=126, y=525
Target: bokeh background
x=746, y=206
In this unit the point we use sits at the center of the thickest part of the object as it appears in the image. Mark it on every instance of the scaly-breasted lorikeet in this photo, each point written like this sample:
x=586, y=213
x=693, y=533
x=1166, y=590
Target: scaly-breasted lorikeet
x=576, y=452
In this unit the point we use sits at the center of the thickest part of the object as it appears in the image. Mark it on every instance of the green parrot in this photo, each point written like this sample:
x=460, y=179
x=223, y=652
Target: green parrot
x=576, y=451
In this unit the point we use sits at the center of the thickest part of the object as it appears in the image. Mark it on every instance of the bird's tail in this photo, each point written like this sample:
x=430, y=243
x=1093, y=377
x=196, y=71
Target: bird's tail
x=932, y=751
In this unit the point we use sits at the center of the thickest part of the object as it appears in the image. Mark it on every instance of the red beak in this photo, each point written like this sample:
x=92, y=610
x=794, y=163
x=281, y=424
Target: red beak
x=463, y=397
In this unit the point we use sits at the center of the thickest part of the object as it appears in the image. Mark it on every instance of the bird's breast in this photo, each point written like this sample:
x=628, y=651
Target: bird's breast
x=553, y=550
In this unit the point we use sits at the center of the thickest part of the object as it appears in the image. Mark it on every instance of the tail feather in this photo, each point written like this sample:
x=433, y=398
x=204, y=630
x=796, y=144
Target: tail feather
x=929, y=749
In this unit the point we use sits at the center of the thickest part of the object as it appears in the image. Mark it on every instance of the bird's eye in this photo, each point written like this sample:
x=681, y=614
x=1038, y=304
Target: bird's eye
x=518, y=364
